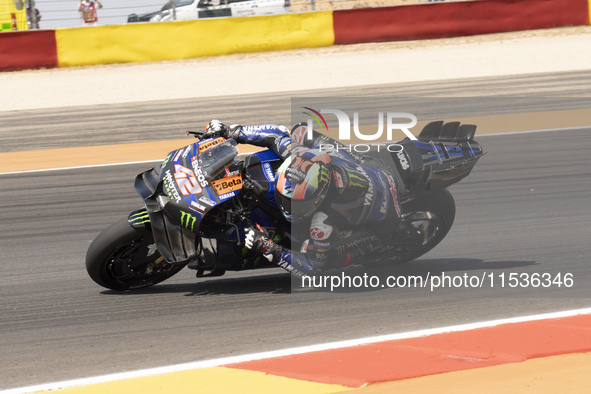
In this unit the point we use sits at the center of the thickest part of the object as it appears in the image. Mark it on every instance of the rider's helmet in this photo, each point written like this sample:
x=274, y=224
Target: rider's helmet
x=302, y=183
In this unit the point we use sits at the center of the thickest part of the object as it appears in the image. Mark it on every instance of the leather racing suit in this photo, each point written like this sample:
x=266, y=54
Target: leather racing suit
x=363, y=191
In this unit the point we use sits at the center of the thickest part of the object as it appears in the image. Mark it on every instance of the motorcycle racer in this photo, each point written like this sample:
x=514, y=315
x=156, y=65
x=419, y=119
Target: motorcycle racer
x=336, y=194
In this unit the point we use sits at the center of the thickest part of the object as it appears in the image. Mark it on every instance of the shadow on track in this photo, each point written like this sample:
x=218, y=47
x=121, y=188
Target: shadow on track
x=283, y=283
x=416, y=276
x=270, y=284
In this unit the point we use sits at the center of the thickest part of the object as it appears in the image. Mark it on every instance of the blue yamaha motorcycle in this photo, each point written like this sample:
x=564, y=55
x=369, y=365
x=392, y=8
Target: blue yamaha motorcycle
x=198, y=202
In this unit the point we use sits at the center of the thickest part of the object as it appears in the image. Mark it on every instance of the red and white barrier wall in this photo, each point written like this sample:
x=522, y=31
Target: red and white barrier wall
x=213, y=37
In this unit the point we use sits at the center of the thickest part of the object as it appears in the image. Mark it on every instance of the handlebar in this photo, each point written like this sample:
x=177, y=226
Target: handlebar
x=198, y=134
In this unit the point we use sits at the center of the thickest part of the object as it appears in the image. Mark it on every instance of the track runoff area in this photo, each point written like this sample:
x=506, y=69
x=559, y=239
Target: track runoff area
x=537, y=353
x=528, y=354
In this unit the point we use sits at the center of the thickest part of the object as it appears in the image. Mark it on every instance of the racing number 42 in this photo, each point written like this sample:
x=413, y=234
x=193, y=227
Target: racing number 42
x=186, y=180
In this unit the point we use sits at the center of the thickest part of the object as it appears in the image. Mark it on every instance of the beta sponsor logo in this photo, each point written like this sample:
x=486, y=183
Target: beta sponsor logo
x=226, y=185
x=268, y=171
x=170, y=188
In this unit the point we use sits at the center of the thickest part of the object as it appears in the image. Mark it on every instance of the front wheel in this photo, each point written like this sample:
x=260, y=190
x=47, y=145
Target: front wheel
x=125, y=258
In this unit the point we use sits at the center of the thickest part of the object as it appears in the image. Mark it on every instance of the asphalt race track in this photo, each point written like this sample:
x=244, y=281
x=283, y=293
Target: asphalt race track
x=524, y=209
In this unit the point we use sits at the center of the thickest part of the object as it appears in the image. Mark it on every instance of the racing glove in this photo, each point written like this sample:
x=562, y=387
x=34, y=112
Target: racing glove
x=215, y=128
x=258, y=240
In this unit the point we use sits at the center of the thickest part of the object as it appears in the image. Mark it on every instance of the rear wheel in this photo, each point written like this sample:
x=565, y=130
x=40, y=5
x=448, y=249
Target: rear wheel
x=427, y=220
x=124, y=258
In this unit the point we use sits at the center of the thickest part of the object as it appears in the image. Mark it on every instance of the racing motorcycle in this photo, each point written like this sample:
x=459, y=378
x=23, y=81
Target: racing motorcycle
x=200, y=200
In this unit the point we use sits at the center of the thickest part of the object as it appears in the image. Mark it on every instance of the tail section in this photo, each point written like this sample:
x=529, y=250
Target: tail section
x=450, y=131
x=447, y=153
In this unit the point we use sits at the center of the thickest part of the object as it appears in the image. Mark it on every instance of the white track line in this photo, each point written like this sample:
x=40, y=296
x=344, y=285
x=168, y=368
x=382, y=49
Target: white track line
x=154, y=161
x=79, y=167
x=292, y=351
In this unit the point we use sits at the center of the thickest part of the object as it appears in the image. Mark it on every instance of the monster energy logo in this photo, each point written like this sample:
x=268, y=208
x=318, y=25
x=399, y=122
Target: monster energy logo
x=167, y=159
x=188, y=220
x=323, y=174
x=139, y=218
x=356, y=178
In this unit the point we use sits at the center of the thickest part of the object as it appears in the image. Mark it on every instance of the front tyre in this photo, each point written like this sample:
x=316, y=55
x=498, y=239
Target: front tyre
x=125, y=258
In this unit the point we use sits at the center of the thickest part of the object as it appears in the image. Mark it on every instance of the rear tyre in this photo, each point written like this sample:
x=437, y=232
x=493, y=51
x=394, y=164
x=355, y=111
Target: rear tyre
x=125, y=258
x=430, y=218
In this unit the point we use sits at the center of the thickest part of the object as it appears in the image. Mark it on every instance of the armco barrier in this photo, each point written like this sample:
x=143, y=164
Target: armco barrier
x=189, y=39
x=27, y=49
x=414, y=22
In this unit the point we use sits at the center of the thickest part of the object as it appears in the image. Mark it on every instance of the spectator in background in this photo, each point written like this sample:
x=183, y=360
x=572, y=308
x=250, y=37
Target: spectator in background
x=87, y=9
x=33, y=22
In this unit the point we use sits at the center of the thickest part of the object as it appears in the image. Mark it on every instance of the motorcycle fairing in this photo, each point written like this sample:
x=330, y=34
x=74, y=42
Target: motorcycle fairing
x=443, y=154
x=452, y=131
x=181, y=192
x=139, y=218
x=448, y=152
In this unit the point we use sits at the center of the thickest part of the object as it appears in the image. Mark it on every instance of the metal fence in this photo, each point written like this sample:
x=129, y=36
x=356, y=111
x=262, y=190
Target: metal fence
x=64, y=13
x=53, y=14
